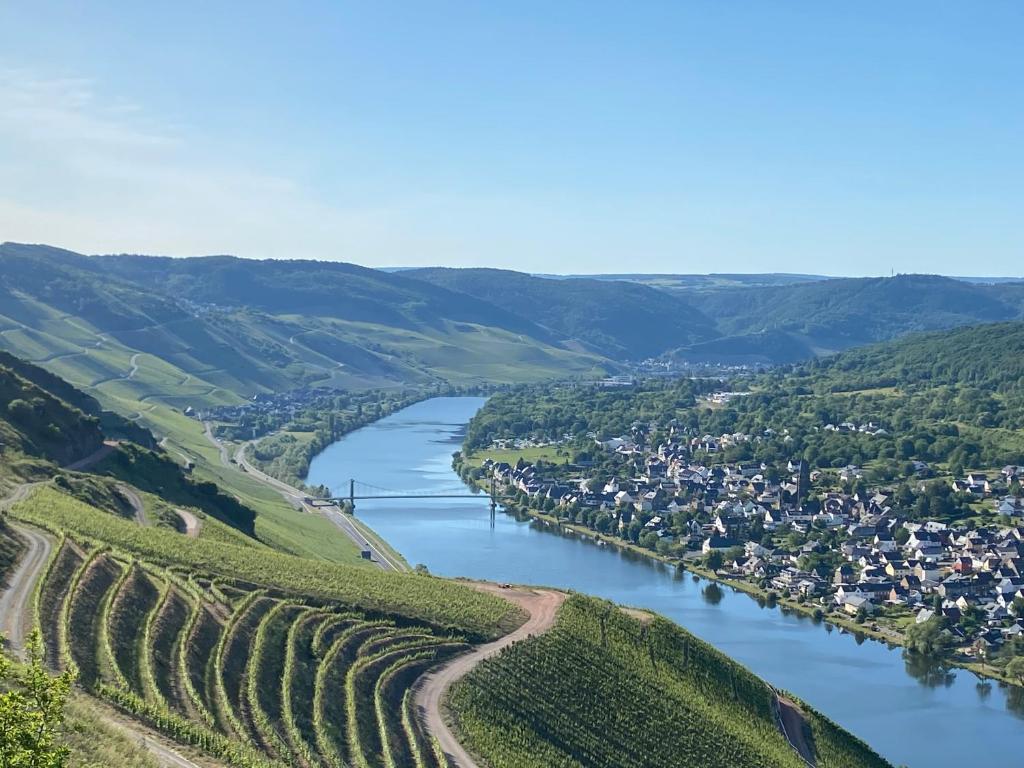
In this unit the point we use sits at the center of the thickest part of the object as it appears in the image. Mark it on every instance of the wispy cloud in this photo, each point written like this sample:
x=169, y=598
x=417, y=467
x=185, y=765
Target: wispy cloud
x=102, y=177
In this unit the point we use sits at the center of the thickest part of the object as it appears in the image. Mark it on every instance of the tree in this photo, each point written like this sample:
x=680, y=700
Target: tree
x=715, y=560
x=649, y=540
x=1017, y=606
x=928, y=638
x=32, y=712
x=1016, y=669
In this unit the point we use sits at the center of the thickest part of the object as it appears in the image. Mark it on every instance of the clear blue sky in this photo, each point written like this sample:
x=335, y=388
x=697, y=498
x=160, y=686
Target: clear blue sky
x=834, y=138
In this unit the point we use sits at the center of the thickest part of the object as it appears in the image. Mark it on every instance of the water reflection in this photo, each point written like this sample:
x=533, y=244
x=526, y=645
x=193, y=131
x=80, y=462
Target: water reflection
x=928, y=670
x=712, y=593
x=1014, y=699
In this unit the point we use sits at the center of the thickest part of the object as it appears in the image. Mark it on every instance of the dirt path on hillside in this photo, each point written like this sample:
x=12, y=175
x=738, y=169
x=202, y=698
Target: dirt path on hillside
x=17, y=595
x=167, y=753
x=542, y=606
x=130, y=495
x=794, y=728
x=192, y=524
x=93, y=458
x=221, y=448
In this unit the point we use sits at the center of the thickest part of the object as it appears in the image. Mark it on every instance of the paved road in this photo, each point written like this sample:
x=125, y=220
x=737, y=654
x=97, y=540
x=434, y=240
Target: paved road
x=542, y=606
x=351, y=529
x=344, y=522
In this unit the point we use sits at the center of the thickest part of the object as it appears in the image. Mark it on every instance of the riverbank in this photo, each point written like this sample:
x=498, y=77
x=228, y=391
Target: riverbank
x=834, y=671
x=285, y=453
x=873, y=631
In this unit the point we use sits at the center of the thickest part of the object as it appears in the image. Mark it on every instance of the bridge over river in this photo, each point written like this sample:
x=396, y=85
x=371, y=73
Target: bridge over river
x=360, y=491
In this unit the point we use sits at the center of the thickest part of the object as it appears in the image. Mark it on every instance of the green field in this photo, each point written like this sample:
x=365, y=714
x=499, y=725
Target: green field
x=512, y=455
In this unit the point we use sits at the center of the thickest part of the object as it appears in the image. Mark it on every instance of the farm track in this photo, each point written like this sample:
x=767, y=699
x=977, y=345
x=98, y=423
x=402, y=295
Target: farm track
x=542, y=607
x=93, y=458
x=191, y=522
x=16, y=597
x=135, y=502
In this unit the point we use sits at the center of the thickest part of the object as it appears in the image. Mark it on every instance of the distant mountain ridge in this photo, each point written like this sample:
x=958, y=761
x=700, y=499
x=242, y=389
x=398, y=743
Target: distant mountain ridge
x=618, y=319
x=216, y=330
x=837, y=314
x=213, y=330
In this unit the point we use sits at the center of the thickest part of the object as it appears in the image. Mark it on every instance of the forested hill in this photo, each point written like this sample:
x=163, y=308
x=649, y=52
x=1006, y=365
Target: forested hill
x=46, y=424
x=39, y=424
x=988, y=357
x=326, y=289
x=619, y=319
x=837, y=314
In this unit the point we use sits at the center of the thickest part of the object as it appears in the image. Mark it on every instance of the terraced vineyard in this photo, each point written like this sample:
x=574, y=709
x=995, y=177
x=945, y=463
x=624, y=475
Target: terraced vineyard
x=605, y=690
x=254, y=677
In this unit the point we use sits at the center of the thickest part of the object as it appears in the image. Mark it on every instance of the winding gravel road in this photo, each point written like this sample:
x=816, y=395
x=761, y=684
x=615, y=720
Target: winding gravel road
x=15, y=599
x=191, y=522
x=542, y=606
x=93, y=458
x=15, y=617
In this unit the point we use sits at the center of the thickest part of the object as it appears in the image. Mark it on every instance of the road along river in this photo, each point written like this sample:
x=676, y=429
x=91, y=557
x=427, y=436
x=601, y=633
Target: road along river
x=919, y=717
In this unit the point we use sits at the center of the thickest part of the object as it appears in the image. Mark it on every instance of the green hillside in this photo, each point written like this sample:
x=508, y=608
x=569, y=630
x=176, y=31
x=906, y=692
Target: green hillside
x=42, y=429
x=253, y=658
x=837, y=314
x=619, y=319
x=38, y=424
x=605, y=690
x=987, y=356
x=209, y=331
x=214, y=330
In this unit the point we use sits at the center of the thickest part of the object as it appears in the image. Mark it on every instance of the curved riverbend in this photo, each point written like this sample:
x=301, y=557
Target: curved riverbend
x=917, y=717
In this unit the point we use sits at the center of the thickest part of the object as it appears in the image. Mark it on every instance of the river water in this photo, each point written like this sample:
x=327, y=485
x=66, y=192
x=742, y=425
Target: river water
x=917, y=717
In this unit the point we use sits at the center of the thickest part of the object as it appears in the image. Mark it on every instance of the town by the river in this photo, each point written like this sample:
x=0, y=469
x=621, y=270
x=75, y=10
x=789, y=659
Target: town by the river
x=913, y=716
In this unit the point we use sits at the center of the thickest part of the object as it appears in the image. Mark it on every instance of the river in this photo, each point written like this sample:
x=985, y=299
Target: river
x=917, y=717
